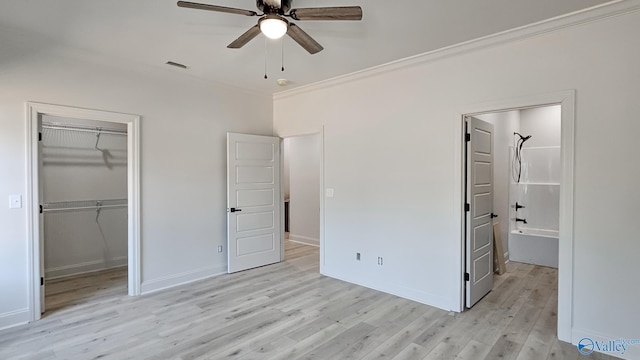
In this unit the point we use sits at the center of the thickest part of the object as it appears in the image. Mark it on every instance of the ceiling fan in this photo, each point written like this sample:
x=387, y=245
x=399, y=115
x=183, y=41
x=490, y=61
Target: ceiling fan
x=272, y=22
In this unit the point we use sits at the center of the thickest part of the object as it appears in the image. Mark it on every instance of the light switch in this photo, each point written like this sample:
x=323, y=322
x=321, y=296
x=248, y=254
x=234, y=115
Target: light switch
x=329, y=192
x=15, y=201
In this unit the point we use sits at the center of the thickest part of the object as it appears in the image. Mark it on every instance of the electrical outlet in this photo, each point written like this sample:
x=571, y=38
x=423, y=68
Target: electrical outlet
x=358, y=256
x=380, y=260
x=219, y=248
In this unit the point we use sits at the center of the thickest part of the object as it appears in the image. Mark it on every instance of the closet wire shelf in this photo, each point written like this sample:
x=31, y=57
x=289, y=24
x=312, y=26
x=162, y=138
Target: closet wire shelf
x=84, y=205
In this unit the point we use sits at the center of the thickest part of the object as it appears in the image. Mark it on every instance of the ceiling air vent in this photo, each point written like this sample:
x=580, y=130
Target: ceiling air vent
x=181, y=66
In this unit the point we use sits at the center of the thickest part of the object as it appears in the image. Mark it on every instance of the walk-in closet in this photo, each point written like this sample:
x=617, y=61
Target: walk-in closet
x=83, y=179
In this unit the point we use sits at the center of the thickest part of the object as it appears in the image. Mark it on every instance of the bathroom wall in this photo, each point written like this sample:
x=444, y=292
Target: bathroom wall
x=538, y=190
x=539, y=187
x=543, y=123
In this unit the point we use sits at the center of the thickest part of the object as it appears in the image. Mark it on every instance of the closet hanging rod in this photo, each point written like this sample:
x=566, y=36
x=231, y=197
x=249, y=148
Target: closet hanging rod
x=84, y=205
x=96, y=129
x=96, y=207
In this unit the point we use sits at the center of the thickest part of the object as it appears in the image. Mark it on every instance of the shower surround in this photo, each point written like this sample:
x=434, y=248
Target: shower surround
x=536, y=240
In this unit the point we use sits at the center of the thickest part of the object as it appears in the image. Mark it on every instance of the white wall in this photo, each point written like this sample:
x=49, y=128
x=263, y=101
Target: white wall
x=73, y=169
x=183, y=158
x=392, y=152
x=504, y=125
x=543, y=123
x=303, y=153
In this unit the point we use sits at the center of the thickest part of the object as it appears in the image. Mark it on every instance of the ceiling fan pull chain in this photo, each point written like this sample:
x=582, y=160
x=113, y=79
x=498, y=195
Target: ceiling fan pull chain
x=265, y=58
x=282, y=69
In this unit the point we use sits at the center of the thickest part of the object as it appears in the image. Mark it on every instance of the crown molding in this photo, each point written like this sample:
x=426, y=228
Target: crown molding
x=577, y=18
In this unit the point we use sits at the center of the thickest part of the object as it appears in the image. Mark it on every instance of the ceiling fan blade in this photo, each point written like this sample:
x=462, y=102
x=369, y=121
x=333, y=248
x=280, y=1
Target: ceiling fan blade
x=303, y=39
x=224, y=9
x=245, y=38
x=327, y=13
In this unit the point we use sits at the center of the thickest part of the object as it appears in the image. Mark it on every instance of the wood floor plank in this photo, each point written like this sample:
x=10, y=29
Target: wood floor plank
x=411, y=352
x=288, y=311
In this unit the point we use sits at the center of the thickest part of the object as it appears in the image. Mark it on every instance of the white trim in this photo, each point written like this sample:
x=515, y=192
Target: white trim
x=14, y=318
x=320, y=132
x=577, y=18
x=34, y=110
x=187, y=277
x=567, y=100
x=304, y=240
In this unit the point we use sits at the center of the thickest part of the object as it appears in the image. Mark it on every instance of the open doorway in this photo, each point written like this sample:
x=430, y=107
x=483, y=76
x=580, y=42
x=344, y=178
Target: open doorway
x=83, y=180
x=84, y=203
x=302, y=195
x=541, y=174
x=527, y=182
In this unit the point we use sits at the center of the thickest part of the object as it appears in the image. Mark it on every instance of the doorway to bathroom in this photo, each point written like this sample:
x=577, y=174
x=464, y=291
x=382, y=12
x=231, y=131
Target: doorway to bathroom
x=526, y=182
x=514, y=119
x=512, y=192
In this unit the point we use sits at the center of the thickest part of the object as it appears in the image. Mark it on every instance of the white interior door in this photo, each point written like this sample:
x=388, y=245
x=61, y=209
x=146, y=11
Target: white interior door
x=479, y=229
x=253, y=201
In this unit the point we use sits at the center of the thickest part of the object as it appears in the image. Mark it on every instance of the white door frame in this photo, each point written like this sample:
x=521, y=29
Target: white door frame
x=34, y=112
x=565, y=264
x=319, y=132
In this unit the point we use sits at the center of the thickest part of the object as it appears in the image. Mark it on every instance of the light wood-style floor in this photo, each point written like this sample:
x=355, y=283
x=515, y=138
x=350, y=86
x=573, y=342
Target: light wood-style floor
x=289, y=311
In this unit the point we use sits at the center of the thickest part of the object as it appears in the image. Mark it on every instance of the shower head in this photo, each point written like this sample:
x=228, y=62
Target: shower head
x=522, y=138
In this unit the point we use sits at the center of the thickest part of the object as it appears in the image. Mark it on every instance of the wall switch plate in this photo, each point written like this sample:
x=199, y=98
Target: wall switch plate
x=219, y=248
x=15, y=201
x=329, y=192
x=358, y=256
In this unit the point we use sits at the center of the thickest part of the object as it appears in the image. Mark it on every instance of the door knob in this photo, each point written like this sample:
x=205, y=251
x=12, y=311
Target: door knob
x=234, y=209
x=494, y=215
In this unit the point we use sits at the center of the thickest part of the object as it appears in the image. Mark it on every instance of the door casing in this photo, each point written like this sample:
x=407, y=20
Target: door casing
x=34, y=111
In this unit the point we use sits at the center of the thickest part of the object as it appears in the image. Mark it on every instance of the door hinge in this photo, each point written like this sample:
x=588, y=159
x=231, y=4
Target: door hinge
x=467, y=207
x=39, y=136
x=467, y=137
x=41, y=281
x=466, y=276
x=41, y=209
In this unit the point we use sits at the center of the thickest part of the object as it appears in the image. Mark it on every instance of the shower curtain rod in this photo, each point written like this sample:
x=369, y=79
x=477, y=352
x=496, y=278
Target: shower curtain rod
x=79, y=128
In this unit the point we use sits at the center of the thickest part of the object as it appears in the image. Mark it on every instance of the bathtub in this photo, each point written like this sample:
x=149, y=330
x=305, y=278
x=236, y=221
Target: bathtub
x=534, y=246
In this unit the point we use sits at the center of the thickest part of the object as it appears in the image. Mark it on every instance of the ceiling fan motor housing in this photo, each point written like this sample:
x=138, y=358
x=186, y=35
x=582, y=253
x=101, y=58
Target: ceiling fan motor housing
x=271, y=6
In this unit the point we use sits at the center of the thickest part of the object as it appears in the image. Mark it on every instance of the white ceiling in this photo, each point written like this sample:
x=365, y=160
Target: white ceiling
x=148, y=33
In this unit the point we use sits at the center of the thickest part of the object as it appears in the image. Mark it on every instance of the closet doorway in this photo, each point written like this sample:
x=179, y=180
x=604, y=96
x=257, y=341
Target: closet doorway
x=84, y=200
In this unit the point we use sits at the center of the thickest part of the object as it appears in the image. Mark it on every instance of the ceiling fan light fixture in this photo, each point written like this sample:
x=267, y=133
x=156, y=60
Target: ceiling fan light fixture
x=273, y=27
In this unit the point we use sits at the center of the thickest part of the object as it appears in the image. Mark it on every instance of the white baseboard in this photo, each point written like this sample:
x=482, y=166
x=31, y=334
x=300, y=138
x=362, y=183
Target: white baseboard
x=150, y=286
x=85, y=267
x=14, y=318
x=304, y=239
